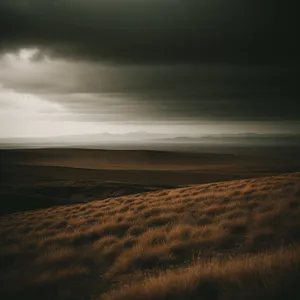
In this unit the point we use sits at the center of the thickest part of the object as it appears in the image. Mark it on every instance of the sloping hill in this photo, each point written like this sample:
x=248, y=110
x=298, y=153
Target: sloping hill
x=228, y=240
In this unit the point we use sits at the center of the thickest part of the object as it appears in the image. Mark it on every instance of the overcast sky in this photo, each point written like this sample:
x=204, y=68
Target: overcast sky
x=173, y=66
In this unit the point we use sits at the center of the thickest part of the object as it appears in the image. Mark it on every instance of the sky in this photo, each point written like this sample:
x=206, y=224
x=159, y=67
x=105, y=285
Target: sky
x=182, y=67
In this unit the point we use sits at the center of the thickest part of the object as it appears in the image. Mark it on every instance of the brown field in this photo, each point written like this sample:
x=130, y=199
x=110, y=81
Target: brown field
x=226, y=240
x=41, y=178
x=249, y=161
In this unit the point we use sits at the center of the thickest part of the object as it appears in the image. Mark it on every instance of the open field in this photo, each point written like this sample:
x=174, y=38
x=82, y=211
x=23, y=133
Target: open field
x=231, y=160
x=226, y=240
x=32, y=187
x=42, y=178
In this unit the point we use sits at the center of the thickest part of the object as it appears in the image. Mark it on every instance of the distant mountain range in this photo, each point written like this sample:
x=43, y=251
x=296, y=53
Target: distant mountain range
x=243, y=138
x=145, y=137
x=87, y=138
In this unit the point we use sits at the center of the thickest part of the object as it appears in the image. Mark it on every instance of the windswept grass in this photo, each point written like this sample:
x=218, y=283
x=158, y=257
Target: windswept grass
x=267, y=276
x=228, y=240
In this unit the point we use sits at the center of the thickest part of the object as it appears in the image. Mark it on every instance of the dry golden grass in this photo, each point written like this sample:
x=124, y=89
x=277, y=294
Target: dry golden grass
x=228, y=240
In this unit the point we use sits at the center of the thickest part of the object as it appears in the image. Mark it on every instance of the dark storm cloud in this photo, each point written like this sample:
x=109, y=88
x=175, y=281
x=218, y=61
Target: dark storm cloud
x=160, y=59
x=165, y=92
x=153, y=31
x=190, y=93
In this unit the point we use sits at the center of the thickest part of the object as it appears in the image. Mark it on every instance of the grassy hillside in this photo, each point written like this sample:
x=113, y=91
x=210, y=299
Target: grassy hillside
x=228, y=240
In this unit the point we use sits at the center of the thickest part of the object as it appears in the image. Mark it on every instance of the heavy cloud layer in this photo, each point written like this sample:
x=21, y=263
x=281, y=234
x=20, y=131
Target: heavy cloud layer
x=134, y=31
x=165, y=92
x=175, y=60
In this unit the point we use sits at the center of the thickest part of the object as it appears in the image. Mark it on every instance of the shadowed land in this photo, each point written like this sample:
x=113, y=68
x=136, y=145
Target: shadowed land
x=251, y=159
x=42, y=178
